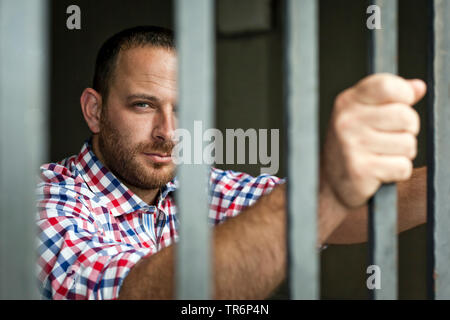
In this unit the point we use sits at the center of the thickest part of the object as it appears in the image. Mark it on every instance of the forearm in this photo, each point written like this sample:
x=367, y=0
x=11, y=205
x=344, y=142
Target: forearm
x=249, y=257
x=412, y=204
x=256, y=268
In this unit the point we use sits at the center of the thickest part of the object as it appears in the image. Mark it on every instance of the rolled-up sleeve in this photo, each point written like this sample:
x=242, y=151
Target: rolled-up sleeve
x=232, y=192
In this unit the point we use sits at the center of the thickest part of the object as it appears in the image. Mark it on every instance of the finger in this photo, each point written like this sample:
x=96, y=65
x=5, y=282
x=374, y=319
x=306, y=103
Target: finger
x=388, y=169
x=419, y=87
x=384, y=88
x=391, y=117
x=390, y=144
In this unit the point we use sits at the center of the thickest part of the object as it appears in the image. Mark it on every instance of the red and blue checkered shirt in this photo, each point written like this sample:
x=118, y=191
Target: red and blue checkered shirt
x=92, y=229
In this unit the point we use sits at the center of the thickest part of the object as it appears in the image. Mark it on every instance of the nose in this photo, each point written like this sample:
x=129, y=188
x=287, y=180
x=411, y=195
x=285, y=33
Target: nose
x=164, y=125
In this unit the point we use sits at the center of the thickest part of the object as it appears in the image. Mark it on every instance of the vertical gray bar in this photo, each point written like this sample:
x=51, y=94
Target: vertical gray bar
x=301, y=69
x=383, y=206
x=441, y=184
x=195, y=45
x=23, y=113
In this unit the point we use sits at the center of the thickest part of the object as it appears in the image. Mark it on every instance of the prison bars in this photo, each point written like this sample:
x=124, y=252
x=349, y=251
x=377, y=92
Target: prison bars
x=195, y=51
x=23, y=139
x=194, y=31
x=438, y=272
x=23, y=51
x=382, y=226
x=301, y=114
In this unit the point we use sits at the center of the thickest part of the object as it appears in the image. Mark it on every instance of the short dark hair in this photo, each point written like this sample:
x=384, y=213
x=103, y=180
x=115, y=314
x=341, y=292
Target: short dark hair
x=139, y=36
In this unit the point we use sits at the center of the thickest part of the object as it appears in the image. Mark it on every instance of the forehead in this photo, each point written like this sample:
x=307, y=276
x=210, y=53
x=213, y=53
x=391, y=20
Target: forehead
x=147, y=66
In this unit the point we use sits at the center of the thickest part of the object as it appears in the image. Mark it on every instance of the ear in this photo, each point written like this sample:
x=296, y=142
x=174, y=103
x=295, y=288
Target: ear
x=91, y=106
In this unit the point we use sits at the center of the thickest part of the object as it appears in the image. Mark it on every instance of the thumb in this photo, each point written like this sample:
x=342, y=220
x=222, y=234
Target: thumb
x=419, y=87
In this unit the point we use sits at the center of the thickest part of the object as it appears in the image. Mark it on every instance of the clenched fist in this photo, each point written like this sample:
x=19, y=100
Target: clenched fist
x=371, y=137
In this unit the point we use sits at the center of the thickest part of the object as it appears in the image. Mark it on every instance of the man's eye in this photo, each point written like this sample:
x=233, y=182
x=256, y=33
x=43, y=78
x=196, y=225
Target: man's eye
x=143, y=105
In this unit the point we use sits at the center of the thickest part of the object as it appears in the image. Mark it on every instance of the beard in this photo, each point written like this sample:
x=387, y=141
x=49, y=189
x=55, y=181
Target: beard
x=122, y=158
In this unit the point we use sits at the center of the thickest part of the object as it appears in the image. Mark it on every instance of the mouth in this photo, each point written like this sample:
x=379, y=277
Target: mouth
x=159, y=157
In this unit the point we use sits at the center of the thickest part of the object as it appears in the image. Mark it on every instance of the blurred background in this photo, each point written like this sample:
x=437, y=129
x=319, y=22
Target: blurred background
x=249, y=92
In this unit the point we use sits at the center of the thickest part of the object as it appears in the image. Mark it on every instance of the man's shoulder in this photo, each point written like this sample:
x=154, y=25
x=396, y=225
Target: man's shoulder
x=60, y=172
x=63, y=192
x=61, y=181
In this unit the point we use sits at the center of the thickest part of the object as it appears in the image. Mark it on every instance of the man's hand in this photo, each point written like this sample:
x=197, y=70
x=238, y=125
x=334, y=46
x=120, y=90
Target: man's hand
x=371, y=138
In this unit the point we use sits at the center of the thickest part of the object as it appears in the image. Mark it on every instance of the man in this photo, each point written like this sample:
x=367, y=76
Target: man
x=107, y=218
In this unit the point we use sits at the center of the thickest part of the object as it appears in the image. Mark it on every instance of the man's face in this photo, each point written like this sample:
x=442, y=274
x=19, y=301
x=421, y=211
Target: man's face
x=139, y=119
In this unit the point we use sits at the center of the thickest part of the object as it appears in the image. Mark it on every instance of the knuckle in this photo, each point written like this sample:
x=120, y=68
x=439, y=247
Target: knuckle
x=385, y=86
x=364, y=85
x=403, y=114
x=362, y=178
x=368, y=189
x=379, y=81
x=415, y=122
x=343, y=122
x=342, y=100
x=408, y=117
x=394, y=88
x=411, y=146
x=374, y=80
x=356, y=167
x=405, y=169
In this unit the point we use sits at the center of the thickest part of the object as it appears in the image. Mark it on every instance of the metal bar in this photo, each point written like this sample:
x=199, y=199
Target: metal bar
x=301, y=71
x=430, y=263
x=195, y=45
x=383, y=206
x=23, y=136
x=439, y=171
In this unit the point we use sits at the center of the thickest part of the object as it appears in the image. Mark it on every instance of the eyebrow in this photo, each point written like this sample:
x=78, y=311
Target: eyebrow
x=143, y=97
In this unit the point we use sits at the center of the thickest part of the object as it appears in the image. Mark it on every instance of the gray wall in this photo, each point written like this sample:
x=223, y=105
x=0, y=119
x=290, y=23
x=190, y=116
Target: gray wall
x=250, y=92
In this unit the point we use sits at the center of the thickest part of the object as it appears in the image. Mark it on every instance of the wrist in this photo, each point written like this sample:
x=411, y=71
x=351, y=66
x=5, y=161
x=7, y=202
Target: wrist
x=332, y=211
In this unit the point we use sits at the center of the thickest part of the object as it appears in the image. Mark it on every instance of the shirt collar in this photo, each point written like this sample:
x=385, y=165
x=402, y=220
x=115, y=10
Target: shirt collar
x=101, y=181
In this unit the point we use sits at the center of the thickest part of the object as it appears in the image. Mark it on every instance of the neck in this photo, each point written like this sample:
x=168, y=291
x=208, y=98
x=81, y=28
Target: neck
x=147, y=195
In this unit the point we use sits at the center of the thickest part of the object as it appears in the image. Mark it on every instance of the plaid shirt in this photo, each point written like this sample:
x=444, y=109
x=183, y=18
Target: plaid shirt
x=92, y=229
